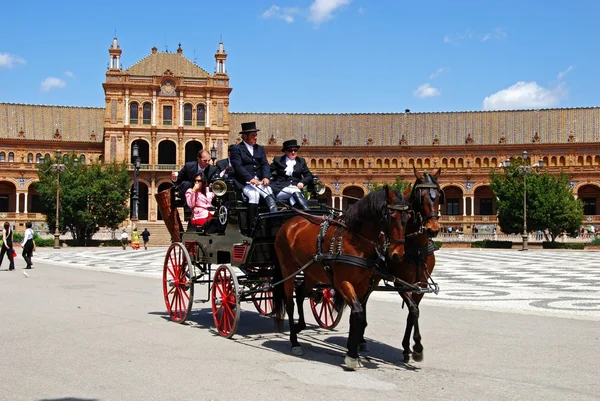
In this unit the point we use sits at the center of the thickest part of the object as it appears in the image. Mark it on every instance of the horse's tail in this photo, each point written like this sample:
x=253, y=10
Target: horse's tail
x=278, y=297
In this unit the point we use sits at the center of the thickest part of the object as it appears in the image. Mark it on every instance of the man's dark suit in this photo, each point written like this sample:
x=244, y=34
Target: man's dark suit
x=187, y=173
x=222, y=166
x=301, y=174
x=247, y=166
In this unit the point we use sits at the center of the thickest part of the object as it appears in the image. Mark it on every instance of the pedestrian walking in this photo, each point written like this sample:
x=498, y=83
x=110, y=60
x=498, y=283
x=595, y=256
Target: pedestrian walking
x=146, y=237
x=135, y=239
x=28, y=244
x=124, y=239
x=7, y=246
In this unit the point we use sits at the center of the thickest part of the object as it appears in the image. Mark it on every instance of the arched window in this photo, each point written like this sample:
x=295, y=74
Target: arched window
x=147, y=114
x=39, y=159
x=29, y=157
x=200, y=115
x=47, y=156
x=187, y=114
x=82, y=159
x=134, y=109
x=321, y=163
x=65, y=159
x=2, y=157
x=11, y=157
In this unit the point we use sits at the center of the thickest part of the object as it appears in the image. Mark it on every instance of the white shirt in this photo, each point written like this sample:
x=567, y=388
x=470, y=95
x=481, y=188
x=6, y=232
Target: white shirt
x=289, y=166
x=27, y=236
x=250, y=148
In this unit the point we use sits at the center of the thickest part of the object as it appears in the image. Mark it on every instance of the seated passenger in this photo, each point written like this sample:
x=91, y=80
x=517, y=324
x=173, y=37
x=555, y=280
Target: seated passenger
x=290, y=175
x=183, y=179
x=251, y=171
x=199, y=199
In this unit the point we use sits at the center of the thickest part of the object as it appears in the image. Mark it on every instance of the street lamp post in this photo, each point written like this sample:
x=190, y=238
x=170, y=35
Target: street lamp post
x=524, y=170
x=135, y=160
x=59, y=168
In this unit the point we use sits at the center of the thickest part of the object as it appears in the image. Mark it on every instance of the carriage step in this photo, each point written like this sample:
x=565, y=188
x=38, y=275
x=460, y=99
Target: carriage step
x=200, y=301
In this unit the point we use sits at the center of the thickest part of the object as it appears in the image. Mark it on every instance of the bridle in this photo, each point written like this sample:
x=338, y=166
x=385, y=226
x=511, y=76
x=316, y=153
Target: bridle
x=415, y=197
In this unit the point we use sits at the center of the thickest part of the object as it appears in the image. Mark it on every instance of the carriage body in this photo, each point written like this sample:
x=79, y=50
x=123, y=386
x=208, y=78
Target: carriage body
x=193, y=253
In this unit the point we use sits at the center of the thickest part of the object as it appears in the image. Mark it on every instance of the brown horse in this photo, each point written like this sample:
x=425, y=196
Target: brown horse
x=370, y=235
x=419, y=260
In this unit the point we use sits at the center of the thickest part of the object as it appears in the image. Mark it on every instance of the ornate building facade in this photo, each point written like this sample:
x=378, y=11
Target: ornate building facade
x=171, y=108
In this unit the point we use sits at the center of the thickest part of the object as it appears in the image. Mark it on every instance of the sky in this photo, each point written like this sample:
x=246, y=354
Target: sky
x=318, y=56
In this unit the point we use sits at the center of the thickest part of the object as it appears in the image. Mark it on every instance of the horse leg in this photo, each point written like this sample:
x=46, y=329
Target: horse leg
x=413, y=316
x=362, y=345
x=357, y=326
x=418, y=347
x=289, y=307
x=300, y=295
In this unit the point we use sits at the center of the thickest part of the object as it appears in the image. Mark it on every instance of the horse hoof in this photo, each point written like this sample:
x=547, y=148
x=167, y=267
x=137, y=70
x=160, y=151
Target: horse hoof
x=417, y=356
x=363, y=347
x=352, y=363
x=297, y=351
x=406, y=357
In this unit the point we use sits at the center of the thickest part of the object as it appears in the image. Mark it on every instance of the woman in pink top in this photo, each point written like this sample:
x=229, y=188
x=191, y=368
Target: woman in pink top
x=199, y=199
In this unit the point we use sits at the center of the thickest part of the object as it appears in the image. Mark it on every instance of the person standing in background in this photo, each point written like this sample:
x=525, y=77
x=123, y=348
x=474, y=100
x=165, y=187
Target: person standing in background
x=135, y=239
x=7, y=246
x=124, y=239
x=28, y=244
x=146, y=237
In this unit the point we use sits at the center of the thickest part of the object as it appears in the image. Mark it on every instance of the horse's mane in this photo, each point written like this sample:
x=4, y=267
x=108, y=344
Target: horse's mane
x=370, y=208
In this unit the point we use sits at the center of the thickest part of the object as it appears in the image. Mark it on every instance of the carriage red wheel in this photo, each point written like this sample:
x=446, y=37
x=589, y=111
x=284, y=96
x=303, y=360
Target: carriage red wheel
x=263, y=301
x=225, y=301
x=178, y=288
x=324, y=310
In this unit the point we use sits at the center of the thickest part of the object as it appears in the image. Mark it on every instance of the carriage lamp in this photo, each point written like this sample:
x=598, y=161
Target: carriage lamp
x=135, y=160
x=59, y=168
x=213, y=153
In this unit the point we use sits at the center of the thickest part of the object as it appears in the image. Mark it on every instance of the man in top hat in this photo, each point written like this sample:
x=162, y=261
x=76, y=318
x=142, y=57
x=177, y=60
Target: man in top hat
x=290, y=175
x=224, y=165
x=186, y=175
x=251, y=171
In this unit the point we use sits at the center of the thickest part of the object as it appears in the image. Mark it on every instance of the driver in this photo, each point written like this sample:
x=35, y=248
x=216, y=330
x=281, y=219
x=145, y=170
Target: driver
x=251, y=171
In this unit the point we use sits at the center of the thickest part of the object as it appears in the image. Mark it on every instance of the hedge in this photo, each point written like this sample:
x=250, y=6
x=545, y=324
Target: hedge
x=563, y=245
x=492, y=244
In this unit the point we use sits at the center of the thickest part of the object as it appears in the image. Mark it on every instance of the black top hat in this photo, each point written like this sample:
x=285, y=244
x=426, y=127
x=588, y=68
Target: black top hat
x=249, y=127
x=292, y=143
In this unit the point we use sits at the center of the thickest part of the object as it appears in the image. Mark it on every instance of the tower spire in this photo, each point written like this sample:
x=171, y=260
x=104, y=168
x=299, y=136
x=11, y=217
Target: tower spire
x=220, y=57
x=115, y=55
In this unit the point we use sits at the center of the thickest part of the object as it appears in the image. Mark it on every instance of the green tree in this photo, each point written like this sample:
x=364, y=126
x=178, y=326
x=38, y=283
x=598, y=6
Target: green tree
x=91, y=196
x=550, y=202
x=397, y=185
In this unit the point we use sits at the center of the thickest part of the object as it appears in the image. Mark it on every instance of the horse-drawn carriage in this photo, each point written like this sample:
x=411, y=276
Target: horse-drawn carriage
x=193, y=253
x=261, y=264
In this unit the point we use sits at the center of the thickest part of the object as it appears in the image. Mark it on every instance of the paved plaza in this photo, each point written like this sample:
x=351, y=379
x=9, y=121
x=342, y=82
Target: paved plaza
x=542, y=282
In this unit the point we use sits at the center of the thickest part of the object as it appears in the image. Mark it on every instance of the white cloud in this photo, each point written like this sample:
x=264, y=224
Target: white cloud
x=9, y=60
x=437, y=73
x=456, y=38
x=69, y=74
x=322, y=10
x=285, y=13
x=426, y=90
x=51, y=83
x=562, y=74
x=496, y=33
x=524, y=95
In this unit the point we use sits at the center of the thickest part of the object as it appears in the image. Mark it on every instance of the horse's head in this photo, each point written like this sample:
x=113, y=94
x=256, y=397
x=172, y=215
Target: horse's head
x=426, y=198
x=397, y=215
